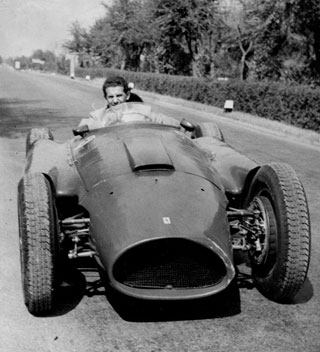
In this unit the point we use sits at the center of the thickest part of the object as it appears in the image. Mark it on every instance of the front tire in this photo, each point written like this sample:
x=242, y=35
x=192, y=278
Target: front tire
x=38, y=237
x=280, y=267
x=36, y=134
x=208, y=129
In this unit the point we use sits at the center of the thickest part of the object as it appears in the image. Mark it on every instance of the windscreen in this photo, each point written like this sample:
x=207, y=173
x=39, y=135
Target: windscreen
x=131, y=112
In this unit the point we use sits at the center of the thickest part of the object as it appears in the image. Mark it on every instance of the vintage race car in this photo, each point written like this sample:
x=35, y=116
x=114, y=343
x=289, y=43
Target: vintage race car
x=164, y=209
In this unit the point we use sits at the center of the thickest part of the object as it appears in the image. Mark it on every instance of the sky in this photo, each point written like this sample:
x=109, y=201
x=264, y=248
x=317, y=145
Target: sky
x=28, y=25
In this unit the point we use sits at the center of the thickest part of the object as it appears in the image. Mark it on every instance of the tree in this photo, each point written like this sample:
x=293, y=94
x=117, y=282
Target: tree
x=260, y=39
x=25, y=62
x=170, y=19
x=288, y=46
x=79, y=44
x=103, y=47
x=307, y=23
x=125, y=33
x=186, y=31
x=243, y=25
x=48, y=57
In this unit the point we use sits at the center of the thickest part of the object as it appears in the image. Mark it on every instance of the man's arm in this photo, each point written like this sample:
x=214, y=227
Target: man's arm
x=95, y=119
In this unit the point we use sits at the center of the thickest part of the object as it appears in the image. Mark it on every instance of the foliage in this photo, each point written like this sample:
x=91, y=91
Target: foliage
x=80, y=43
x=287, y=45
x=25, y=62
x=102, y=48
x=181, y=27
x=125, y=33
x=277, y=40
x=307, y=22
x=52, y=63
x=251, y=39
x=162, y=36
x=63, y=65
x=48, y=57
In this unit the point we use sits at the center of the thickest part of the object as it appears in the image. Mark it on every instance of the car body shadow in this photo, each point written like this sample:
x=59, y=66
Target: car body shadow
x=70, y=290
x=86, y=280
x=223, y=304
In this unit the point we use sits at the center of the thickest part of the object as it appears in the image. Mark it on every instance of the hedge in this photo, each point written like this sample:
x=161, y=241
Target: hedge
x=294, y=105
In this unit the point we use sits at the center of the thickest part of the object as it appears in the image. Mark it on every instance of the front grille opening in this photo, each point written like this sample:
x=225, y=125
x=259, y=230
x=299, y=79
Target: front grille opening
x=169, y=263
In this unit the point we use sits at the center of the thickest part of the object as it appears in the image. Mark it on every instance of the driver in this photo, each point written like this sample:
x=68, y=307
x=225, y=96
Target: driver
x=116, y=91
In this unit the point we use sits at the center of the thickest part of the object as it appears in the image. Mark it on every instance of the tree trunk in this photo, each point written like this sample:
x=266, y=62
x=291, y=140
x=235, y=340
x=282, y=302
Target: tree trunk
x=122, y=57
x=242, y=66
x=196, y=71
x=243, y=73
x=316, y=47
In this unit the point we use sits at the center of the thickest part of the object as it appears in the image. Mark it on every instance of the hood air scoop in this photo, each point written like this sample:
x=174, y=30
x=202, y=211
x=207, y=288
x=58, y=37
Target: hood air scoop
x=147, y=154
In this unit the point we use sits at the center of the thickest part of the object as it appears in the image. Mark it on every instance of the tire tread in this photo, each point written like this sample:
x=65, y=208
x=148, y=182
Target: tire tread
x=38, y=242
x=290, y=272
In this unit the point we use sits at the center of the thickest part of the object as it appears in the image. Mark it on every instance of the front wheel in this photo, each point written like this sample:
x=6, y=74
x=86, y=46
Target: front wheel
x=280, y=265
x=36, y=134
x=38, y=237
x=208, y=129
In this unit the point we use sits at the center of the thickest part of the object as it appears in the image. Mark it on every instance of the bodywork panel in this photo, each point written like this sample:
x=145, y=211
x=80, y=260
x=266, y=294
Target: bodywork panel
x=143, y=185
x=129, y=149
x=233, y=167
x=119, y=224
x=55, y=160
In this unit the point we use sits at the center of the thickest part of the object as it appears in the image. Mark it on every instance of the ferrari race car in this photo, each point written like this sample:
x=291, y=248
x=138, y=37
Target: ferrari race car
x=163, y=209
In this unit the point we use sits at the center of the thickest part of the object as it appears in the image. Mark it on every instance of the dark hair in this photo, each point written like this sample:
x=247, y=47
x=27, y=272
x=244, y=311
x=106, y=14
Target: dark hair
x=115, y=81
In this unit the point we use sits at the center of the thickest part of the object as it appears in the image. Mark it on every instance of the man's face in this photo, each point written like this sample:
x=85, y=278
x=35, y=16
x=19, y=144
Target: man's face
x=116, y=95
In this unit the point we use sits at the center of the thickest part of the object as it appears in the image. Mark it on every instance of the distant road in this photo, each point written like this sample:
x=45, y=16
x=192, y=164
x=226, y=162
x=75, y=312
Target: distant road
x=87, y=319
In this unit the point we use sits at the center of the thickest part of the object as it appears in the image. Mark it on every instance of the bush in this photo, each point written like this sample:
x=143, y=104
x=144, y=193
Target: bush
x=295, y=105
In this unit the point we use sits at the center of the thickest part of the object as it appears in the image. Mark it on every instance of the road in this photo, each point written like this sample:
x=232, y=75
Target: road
x=90, y=319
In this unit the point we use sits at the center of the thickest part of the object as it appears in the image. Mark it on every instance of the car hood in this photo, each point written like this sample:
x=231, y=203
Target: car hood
x=132, y=148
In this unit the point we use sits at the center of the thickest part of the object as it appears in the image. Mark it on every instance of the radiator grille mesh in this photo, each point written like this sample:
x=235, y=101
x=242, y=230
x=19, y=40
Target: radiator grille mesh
x=169, y=263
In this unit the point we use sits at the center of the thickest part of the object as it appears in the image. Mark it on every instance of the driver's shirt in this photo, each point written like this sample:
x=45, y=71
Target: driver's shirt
x=109, y=116
x=99, y=118
x=105, y=116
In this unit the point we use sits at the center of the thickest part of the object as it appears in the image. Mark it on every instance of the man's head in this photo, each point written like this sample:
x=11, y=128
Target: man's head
x=115, y=90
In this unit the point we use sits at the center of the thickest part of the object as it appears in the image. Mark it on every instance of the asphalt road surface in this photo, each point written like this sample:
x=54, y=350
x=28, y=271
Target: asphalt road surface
x=88, y=317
